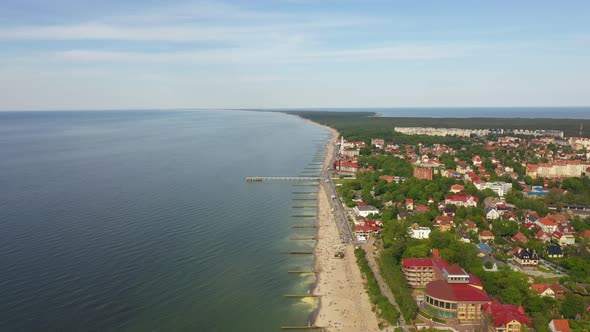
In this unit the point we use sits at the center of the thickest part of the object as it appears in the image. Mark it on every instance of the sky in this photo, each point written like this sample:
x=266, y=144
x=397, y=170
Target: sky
x=151, y=54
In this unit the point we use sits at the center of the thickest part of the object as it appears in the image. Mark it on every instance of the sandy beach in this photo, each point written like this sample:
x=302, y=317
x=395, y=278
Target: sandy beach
x=344, y=303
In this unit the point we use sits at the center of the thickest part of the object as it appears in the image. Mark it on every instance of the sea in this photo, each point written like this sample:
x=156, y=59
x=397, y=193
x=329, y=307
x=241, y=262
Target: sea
x=143, y=220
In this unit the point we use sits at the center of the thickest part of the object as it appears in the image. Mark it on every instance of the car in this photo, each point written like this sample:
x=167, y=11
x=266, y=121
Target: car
x=327, y=180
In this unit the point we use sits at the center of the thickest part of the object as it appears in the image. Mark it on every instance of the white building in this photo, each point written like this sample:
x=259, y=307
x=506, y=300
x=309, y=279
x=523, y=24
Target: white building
x=419, y=233
x=500, y=188
x=364, y=211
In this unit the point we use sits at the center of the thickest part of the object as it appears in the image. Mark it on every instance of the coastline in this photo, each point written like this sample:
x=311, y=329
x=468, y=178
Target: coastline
x=343, y=304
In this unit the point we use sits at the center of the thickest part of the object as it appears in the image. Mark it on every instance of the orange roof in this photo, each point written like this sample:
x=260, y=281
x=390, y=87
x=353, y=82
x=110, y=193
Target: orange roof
x=561, y=325
x=547, y=222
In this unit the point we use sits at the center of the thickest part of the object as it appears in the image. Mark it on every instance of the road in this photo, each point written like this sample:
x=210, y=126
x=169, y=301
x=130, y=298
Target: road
x=385, y=290
x=335, y=203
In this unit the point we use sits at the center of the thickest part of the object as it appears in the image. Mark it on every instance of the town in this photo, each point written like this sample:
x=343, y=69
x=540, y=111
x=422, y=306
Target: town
x=484, y=230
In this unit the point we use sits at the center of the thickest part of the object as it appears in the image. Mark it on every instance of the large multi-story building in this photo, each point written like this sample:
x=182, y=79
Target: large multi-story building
x=457, y=295
x=558, y=169
x=418, y=271
x=423, y=173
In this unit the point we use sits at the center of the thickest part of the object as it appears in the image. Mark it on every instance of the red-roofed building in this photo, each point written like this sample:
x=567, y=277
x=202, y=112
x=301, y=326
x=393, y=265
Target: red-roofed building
x=542, y=236
x=457, y=188
x=559, y=325
x=585, y=234
x=466, y=201
x=553, y=290
x=342, y=166
x=418, y=271
x=409, y=204
x=563, y=239
x=485, y=236
x=519, y=237
x=365, y=230
x=547, y=225
x=504, y=317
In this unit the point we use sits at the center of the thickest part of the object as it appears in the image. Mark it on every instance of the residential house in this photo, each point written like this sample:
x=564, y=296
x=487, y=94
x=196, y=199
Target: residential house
x=547, y=225
x=471, y=226
x=457, y=188
x=559, y=325
x=554, y=251
x=519, y=237
x=552, y=290
x=417, y=232
x=504, y=317
x=466, y=201
x=486, y=236
x=526, y=259
x=563, y=239
x=409, y=204
x=365, y=211
x=445, y=226
x=492, y=214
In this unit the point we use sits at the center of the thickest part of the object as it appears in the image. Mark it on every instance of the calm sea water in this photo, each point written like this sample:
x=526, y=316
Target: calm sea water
x=142, y=220
x=474, y=112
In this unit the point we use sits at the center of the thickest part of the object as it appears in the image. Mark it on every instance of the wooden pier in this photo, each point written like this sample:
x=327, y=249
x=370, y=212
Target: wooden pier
x=311, y=327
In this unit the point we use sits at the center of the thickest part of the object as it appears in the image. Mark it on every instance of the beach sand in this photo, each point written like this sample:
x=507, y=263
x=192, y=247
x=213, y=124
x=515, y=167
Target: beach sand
x=344, y=303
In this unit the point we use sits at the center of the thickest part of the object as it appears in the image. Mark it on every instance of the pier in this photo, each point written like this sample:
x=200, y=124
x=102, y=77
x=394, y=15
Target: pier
x=281, y=178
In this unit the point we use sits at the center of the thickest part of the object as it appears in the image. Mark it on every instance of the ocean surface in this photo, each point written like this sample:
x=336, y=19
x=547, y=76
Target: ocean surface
x=473, y=112
x=142, y=220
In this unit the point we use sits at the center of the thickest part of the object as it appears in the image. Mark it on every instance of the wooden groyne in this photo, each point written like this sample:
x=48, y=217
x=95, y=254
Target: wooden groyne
x=305, y=207
x=311, y=327
x=309, y=238
x=304, y=215
x=301, y=272
x=301, y=296
x=298, y=252
x=305, y=199
x=306, y=185
x=304, y=226
x=304, y=192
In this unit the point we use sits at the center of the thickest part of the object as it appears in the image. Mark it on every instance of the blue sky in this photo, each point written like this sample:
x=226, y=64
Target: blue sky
x=113, y=54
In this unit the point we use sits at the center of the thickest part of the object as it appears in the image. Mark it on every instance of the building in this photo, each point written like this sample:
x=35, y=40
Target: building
x=419, y=233
x=492, y=214
x=486, y=236
x=457, y=296
x=504, y=317
x=465, y=201
x=365, y=211
x=519, y=237
x=557, y=169
x=563, y=239
x=423, y=173
x=418, y=271
x=378, y=142
x=526, y=259
x=559, y=325
x=547, y=225
x=350, y=153
x=500, y=188
x=553, y=290
x=343, y=166
x=457, y=188
x=554, y=251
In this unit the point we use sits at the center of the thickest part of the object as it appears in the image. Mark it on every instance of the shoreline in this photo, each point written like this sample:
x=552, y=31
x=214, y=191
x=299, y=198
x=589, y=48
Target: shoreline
x=343, y=304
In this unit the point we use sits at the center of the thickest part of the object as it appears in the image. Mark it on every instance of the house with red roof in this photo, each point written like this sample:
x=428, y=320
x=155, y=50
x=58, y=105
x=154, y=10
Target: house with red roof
x=486, y=236
x=409, y=204
x=559, y=325
x=504, y=317
x=471, y=226
x=458, y=200
x=457, y=188
x=585, y=234
x=553, y=290
x=519, y=237
x=563, y=239
x=547, y=225
x=542, y=236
